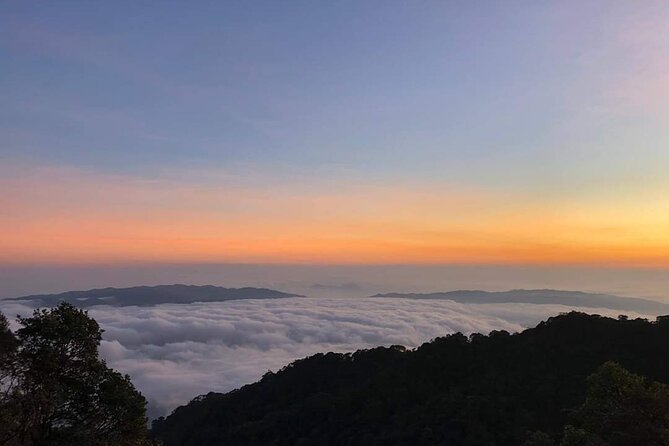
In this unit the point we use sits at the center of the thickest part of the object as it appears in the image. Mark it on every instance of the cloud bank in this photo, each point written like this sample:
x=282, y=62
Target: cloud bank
x=176, y=352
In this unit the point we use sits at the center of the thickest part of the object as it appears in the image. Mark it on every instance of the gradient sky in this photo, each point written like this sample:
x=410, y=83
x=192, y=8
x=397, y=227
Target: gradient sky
x=470, y=132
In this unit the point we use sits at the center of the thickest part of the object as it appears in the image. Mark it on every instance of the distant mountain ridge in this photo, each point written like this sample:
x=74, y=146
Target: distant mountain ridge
x=153, y=295
x=541, y=296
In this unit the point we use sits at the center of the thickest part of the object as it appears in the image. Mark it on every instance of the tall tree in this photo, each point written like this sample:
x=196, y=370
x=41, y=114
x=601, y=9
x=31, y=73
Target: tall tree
x=8, y=416
x=64, y=394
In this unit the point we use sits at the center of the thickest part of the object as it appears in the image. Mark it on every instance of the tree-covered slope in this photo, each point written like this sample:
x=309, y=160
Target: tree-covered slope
x=482, y=390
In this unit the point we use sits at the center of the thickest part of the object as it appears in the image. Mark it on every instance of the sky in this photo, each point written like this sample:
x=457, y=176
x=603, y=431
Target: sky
x=508, y=133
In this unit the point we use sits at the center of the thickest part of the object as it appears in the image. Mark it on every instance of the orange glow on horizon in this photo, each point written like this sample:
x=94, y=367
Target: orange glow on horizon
x=103, y=220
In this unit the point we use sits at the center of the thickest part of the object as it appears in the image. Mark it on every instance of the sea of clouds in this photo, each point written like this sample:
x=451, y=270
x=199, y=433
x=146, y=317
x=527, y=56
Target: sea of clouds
x=176, y=352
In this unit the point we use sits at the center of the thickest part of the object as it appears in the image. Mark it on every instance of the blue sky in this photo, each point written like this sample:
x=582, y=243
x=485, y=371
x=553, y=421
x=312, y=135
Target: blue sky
x=562, y=99
x=369, y=86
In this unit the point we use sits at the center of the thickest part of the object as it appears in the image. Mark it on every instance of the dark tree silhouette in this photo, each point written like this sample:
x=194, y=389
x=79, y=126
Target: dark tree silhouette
x=501, y=389
x=622, y=409
x=61, y=392
x=8, y=414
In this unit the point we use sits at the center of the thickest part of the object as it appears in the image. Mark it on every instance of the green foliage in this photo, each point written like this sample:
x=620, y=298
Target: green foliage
x=539, y=439
x=7, y=342
x=622, y=409
x=8, y=415
x=500, y=389
x=580, y=437
x=62, y=393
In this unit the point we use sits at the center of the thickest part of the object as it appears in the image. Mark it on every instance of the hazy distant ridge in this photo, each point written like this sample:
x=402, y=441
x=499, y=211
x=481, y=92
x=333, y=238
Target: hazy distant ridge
x=154, y=295
x=570, y=298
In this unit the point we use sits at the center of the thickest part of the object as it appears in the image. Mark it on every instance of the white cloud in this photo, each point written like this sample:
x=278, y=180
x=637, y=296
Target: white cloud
x=176, y=352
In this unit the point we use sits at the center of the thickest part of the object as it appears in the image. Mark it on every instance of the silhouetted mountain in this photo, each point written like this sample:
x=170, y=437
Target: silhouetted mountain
x=152, y=295
x=500, y=389
x=570, y=298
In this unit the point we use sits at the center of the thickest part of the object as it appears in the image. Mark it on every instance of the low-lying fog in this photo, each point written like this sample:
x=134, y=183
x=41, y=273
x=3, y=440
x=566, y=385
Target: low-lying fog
x=175, y=352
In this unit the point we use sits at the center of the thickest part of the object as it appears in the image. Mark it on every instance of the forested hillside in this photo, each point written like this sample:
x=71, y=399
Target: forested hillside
x=501, y=389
